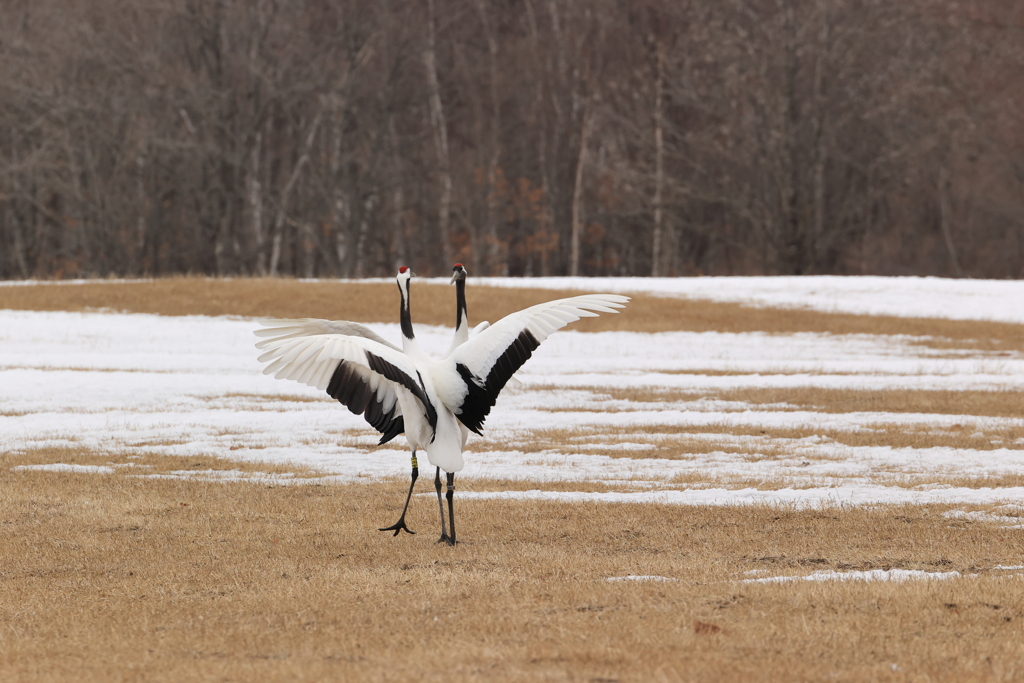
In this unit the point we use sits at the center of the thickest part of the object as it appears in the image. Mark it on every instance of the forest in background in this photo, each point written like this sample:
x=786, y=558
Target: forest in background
x=325, y=138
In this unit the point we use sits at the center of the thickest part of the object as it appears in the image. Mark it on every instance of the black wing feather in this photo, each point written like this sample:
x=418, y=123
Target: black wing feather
x=379, y=365
x=350, y=389
x=484, y=393
x=396, y=427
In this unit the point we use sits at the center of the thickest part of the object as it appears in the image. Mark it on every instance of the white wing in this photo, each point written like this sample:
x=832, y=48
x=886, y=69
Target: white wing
x=304, y=327
x=364, y=375
x=487, y=361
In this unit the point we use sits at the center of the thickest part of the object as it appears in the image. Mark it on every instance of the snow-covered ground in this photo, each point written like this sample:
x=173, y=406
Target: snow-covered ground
x=191, y=385
x=919, y=297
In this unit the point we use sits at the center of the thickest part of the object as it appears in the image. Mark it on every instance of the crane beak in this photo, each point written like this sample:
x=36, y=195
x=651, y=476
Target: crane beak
x=455, y=276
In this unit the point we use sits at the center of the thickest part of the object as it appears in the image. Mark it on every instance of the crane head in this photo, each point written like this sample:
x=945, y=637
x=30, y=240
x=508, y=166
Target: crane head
x=458, y=273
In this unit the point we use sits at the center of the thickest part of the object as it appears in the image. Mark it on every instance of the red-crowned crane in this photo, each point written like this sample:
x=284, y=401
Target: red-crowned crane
x=434, y=397
x=390, y=421
x=462, y=334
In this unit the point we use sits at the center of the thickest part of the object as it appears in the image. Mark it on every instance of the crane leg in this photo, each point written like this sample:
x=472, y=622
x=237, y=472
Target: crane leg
x=451, y=510
x=440, y=504
x=399, y=526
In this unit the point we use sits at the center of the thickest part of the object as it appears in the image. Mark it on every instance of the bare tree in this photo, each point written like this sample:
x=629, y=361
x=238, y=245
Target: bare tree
x=541, y=137
x=440, y=130
x=659, y=156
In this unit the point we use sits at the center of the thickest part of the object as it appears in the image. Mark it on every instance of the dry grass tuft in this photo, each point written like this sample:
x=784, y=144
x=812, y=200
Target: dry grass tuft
x=112, y=577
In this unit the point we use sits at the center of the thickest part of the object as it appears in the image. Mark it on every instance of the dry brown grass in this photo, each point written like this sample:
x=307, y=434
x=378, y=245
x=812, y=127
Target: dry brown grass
x=140, y=461
x=111, y=577
x=996, y=403
x=433, y=304
x=943, y=402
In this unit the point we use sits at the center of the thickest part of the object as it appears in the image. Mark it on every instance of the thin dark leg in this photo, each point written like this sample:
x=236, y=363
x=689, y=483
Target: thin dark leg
x=451, y=510
x=399, y=526
x=440, y=505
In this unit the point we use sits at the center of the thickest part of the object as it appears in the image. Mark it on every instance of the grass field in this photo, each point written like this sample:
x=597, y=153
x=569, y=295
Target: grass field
x=710, y=507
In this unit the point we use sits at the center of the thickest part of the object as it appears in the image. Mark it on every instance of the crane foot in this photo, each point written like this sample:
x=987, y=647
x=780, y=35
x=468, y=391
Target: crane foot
x=399, y=527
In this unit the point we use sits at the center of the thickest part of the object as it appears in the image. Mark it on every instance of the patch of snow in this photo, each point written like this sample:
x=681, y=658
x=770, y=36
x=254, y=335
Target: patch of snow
x=853, y=495
x=62, y=467
x=924, y=297
x=981, y=516
x=632, y=577
x=895, y=575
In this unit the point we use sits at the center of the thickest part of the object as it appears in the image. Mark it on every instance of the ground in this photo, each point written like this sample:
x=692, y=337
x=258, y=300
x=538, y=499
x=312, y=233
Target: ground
x=690, y=490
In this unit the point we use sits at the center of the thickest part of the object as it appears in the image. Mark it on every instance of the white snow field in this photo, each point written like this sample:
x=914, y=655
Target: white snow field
x=918, y=297
x=192, y=385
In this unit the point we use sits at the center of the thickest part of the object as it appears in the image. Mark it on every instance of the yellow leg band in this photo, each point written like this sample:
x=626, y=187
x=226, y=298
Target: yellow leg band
x=414, y=463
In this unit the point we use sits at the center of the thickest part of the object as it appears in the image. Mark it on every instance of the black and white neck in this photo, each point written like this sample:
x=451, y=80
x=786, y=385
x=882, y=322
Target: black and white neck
x=404, y=278
x=461, y=314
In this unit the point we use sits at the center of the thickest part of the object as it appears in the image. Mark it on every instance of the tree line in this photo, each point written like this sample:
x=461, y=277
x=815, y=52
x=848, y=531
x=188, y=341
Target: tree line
x=324, y=138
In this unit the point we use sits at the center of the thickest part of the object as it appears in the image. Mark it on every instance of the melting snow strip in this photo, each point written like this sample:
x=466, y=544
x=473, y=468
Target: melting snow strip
x=633, y=577
x=895, y=575
x=62, y=467
x=980, y=516
x=864, y=295
x=803, y=498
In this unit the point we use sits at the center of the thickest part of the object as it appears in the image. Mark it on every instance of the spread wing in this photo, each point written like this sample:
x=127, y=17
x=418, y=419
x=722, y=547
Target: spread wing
x=364, y=375
x=304, y=327
x=487, y=361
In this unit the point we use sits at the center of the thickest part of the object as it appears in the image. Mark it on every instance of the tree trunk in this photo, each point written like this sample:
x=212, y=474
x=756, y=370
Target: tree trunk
x=19, y=241
x=338, y=205
x=945, y=211
x=364, y=231
x=577, y=196
x=820, y=142
x=256, y=206
x=561, y=151
x=400, y=250
x=279, y=222
x=539, y=123
x=440, y=130
x=140, y=209
x=792, y=232
x=659, y=156
x=495, y=264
